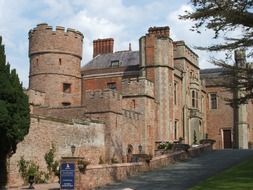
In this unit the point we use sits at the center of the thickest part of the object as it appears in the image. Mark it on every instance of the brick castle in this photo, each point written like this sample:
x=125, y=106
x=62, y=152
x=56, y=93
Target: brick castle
x=123, y=99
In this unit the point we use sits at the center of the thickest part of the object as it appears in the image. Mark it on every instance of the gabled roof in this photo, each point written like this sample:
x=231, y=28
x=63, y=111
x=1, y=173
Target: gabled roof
x=124, y=58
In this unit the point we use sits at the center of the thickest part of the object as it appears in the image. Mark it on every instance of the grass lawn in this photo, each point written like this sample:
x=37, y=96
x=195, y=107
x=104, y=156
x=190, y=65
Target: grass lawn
x=238, y=177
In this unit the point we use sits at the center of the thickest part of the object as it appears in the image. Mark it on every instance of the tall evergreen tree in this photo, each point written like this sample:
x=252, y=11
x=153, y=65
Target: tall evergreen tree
x=223, y=17
x=14, y=113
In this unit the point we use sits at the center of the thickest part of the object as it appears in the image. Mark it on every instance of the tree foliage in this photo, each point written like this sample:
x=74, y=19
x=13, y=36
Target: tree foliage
x=223, y=16
x=238, y=79
x=14, y=107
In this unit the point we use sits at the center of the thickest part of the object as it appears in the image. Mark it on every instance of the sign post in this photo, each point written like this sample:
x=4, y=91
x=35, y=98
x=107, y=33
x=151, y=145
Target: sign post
x=67, y=176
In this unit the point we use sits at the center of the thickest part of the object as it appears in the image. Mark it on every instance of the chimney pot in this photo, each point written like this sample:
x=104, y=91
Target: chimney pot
x=102, y=46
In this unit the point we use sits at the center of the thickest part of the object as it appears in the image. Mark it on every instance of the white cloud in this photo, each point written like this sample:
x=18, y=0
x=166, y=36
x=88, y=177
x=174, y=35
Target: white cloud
x=125, y=21
x=181, y=31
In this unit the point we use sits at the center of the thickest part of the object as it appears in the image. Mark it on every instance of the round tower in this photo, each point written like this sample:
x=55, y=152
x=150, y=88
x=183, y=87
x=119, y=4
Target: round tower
x=55, y=58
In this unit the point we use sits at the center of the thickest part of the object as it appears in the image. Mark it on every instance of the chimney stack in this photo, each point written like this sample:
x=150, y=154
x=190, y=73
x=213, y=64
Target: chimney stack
x=159, y=31
x=102, y=46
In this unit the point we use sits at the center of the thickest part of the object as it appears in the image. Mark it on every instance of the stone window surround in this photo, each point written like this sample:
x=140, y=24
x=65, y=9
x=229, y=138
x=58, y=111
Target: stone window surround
x=194, y=98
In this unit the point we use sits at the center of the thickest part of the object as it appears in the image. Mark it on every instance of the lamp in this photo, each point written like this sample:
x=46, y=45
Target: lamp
x=140, y=148
x=73, y=149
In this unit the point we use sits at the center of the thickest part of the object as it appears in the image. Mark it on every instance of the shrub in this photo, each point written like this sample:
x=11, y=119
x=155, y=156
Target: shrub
x=165, y=146
x=30, y=168
x=52, y=164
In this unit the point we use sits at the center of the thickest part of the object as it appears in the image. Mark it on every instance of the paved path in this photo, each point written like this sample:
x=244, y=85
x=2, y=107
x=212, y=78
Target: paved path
x=186, y=174
x=51, y=186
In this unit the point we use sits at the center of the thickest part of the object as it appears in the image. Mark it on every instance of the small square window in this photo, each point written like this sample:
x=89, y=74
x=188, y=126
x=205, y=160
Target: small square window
x=66, y=87
x=111, y=85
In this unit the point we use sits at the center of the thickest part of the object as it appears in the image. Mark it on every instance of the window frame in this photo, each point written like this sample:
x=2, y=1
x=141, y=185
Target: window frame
x=66, y=87
x=175, y=90
x=175, y=129
x=213, y=105
x=111, y=85
x=115, y=63
x=195, y=98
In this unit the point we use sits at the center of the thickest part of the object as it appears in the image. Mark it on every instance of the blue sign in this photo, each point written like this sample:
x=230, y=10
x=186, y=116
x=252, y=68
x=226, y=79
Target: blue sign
x=67, y=176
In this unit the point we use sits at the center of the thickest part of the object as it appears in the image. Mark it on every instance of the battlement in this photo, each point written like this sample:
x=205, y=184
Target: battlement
x=181, y=50
x=159, y=31
x=43, y=39
x=59, y=29
x=137, y=86
x=103, y=101
x=102, y=94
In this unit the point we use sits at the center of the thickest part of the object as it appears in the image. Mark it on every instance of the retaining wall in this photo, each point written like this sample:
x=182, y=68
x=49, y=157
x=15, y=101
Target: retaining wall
x=100, y=175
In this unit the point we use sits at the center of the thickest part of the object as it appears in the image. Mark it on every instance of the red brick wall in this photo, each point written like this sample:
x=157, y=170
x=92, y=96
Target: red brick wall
x=220, y=118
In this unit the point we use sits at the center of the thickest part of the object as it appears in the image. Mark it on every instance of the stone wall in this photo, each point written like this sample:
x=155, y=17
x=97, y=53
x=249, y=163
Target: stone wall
x=88, y=138
x=100, y=175
x=137, y=86
x=36, y=97
x=250, y=122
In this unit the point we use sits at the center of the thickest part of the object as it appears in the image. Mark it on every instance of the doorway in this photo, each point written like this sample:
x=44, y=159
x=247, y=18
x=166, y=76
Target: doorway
x=227, y=138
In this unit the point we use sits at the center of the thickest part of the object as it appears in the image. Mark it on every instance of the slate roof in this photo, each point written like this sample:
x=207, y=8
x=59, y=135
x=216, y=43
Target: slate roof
x=125, y=58
x=213, y=77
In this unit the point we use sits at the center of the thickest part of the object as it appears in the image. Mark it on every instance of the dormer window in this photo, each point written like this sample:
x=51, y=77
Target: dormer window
x=115, y=63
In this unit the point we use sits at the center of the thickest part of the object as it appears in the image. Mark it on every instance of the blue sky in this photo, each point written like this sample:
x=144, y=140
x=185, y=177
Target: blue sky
x=124, y=20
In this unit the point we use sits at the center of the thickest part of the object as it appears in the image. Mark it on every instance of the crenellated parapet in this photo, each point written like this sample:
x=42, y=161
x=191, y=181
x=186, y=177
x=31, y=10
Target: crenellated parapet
x=102, y=94
x=181, y=50
x=137, y=87
x=103, y=101
x=159, y=31
x=43, y=39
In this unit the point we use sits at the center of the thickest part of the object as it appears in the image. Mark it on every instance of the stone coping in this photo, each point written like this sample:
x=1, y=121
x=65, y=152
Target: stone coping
x=101, y=166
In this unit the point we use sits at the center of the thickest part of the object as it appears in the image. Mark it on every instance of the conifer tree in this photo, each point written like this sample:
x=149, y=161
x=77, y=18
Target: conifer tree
x=14, y=113
x=223, y=17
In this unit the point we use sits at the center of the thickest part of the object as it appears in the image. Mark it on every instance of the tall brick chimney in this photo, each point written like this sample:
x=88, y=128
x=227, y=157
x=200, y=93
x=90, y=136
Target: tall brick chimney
x=159, y=31
x=102, y=46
